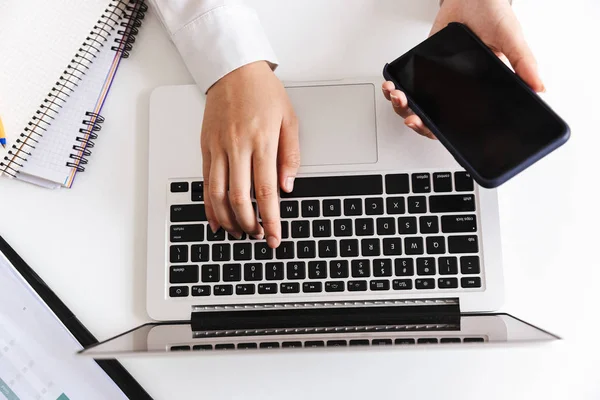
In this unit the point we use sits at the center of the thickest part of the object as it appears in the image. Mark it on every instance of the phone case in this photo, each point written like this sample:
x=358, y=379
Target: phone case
x=484, y=182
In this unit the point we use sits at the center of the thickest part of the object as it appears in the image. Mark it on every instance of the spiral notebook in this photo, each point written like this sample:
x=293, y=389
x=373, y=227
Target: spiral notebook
x=58, y=59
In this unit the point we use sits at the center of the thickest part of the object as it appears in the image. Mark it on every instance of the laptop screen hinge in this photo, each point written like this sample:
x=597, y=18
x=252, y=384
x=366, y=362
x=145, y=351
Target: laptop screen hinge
x=326, y=314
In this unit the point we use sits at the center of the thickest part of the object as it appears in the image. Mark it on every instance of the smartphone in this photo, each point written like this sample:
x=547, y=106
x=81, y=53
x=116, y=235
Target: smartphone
x=494, y=125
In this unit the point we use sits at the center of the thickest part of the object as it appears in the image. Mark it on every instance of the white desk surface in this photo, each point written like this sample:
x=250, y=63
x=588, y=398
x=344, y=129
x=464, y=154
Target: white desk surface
x=88, y=243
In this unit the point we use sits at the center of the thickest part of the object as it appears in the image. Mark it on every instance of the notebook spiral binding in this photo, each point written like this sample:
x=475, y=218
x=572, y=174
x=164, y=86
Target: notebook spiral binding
x=126, y=14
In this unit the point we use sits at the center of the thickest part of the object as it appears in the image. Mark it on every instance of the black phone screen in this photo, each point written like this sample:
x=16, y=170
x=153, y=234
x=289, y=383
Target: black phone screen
x=479, y=106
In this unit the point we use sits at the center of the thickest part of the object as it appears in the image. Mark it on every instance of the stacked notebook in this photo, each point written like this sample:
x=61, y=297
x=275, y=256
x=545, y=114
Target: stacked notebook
x=58, y=59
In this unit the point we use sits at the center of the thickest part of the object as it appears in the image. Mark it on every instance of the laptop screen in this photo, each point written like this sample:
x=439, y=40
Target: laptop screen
x=170, y=338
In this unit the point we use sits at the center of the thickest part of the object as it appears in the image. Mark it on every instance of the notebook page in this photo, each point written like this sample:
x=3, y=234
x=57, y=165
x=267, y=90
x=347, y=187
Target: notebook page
x=49, y=160
x=38, y=38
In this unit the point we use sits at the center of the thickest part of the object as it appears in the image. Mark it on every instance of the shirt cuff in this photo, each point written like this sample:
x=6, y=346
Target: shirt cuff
x=222, y=40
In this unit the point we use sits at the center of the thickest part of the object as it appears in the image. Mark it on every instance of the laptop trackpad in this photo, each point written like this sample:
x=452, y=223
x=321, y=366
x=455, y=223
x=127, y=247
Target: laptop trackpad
x=337, y=123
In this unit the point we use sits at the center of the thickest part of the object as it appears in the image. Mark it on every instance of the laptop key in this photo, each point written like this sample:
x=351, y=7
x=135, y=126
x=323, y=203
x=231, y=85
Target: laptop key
x=287, y=345
x=289, y=209
x=198, y=188
x=274, y=271
x=447, y=283
x=370, y=247
x=403, y=341
x=221, y=252
x=382, y=267
x=428, y=283
x=200, y=347
x=435, y=245
x=357, y=286
x=469, y=265
x=203, y=290
x=183, y=274
x=429, y=224
x=336, y=186
x=242, y=251
x=342, y=227
x=448, y=265
x=306, y=249
x=296, y=270
x=210, y=273
x=402, y=284
x=364, y=226
x=310, y=208
x=361, y=268
x=285, y=230
x=327, y=248
x=253, y=272
x=285, y=251
x=463, y=182
x=312, y=287
x=200, y=252
x=262, y=251
x=459, y=223
x=349, y=248
x=338, y=269
x=314, y=343
x=470, y=282
x=217, y=236
x=317, y=270
x=246, y=346
x=442, y=182
x=359, y=342
x=336, y=343
x=300, y=229
x=381, y=342
x=188, y=213
x=244, y=289
x=187, y=233
x=289, y=287
x=417, y=204
x=178, y=253
x=353, y=207
x=407, y=225
x=334, y=286
x=386, y=226
x=392, y=247
x=404, y=267
x=378, y=285
x=395, y=205
x=321, y=228
x=332, y=208
x=451, y=203
x=178, y=291
x=421, y=183
x=267, y=288
x=462, y=244
x=413, y=245
x=397, y=184
x=269, y=345
x=179, y=187
x=223, y=290
x=232, y=272
x=374, y=206
x=426, y=266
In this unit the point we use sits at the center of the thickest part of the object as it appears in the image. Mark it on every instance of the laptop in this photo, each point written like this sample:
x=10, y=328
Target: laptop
x=386, y=240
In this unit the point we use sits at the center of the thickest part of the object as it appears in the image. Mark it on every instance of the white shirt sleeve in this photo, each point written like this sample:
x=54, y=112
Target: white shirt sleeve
x=214, y=37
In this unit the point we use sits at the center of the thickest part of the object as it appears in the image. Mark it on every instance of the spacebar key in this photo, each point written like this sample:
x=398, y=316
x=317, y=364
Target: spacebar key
x=334, y=186
x=188, y=213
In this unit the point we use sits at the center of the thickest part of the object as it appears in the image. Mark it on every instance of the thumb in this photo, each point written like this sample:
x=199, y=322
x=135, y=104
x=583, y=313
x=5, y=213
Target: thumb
x=288, y=155
x=521, y=58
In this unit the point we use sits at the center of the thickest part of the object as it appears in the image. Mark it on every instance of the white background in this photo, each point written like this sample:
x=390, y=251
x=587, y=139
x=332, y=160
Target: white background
x=88, y=243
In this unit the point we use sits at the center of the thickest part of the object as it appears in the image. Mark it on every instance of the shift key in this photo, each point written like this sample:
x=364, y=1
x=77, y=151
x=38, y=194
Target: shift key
x=188, y=213
x=452, y=203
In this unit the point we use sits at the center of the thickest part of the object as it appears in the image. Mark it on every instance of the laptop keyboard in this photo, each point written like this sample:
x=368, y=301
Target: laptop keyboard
x=353, y=235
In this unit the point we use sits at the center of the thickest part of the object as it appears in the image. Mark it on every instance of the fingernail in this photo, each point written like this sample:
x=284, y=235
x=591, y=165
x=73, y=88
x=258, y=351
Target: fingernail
x=543, y=88
x=289, y=183
x=272, y=241
x=259, y=236
x=236, y=235
x=395, y=100
x=412, y=126
x=214, y=227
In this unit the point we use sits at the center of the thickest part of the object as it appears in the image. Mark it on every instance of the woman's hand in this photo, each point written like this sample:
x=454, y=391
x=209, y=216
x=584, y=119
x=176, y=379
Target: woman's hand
x=497, y=26
x=249, y=135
